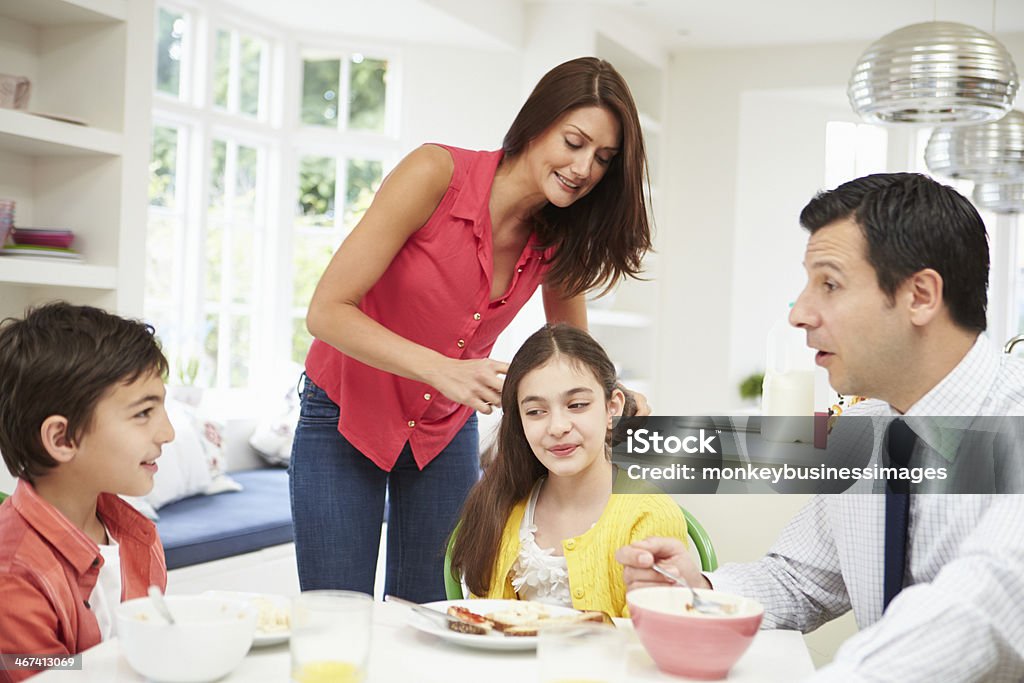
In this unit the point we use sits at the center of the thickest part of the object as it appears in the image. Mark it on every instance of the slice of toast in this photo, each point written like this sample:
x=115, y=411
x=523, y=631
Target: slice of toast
x=525, y=614
x=468, y=622
x=525, y=630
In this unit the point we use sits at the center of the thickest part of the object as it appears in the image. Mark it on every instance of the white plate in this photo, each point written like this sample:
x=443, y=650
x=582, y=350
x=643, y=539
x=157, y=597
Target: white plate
x=260, y=601
x=491, y=641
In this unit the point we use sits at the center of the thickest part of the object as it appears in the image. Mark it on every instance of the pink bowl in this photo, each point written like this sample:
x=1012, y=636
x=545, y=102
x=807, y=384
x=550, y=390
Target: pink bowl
x=43, y=239
x=685, y=643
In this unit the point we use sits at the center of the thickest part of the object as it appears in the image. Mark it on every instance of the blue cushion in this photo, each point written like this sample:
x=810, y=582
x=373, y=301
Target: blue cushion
x=205, y=528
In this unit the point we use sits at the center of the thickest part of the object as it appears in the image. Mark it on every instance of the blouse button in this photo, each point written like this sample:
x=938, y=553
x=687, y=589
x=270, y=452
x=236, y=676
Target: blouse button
x=578, y=593
x=426, y=397
x=412, y=423
x=519, y=270
x=461, y=343
x=476, y=316
x=503, y=302
x=570, y=544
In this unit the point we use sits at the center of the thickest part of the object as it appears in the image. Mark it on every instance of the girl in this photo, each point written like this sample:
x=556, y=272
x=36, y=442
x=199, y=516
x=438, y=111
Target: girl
x=454, y=243
x=543, y=523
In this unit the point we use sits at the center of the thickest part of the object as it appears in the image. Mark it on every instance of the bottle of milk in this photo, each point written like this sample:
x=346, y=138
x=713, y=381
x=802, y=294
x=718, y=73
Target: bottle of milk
x=788, y=389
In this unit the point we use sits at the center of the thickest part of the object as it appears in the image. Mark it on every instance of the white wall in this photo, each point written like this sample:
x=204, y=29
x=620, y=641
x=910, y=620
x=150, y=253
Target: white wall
x=708, y=173
x=745, y=148
x=465, y=98
x=780, y=164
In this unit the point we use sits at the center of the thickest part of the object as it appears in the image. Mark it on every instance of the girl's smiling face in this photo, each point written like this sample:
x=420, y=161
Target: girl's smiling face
x=565, y=416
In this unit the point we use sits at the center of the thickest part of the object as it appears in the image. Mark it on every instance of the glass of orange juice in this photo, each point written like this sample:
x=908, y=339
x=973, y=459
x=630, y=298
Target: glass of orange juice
x=330, y=641
x=581, y=653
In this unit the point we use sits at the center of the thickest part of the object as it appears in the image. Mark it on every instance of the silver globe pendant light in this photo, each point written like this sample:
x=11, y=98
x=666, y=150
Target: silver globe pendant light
x=986, y=152
x=1000, y=197
x=934, y=73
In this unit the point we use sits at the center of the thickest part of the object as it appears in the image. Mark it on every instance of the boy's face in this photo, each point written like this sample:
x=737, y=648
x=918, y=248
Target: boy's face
x=118, y=452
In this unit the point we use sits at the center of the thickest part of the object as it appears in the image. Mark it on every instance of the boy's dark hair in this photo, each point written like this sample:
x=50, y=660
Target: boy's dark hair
x=62, y=359
x=911, y=222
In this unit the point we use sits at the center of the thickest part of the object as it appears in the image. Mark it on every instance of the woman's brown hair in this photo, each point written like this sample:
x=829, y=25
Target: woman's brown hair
x=516, y=469
x=601, y=238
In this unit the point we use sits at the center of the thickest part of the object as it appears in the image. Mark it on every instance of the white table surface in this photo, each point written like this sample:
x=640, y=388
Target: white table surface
x=401, y=654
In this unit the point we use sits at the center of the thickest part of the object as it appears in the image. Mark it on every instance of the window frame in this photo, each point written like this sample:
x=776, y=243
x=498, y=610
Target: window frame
x=277, y=130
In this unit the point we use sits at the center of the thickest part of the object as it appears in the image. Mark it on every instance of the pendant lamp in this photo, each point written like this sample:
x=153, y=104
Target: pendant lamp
x=1000, y=197
x=934, y=73
x=986, y=152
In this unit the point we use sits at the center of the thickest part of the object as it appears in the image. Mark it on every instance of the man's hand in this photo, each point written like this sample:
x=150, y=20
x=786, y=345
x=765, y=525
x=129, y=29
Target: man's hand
x=670, y=554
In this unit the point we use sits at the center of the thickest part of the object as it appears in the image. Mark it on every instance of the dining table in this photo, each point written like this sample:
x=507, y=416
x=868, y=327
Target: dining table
x=402, y=654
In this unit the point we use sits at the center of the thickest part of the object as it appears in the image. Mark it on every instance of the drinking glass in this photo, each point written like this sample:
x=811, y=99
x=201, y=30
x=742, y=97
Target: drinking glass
x=330, y=641
x=581, y=653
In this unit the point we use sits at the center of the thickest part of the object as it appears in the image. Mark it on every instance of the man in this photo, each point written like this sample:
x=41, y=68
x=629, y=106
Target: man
x=897, y=270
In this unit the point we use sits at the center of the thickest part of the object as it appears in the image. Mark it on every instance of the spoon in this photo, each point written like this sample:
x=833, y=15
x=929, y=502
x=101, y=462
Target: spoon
x=700, y=604
x=161, y=606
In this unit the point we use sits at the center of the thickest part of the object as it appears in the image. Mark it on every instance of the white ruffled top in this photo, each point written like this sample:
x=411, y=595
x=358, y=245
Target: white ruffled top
x=538, y=574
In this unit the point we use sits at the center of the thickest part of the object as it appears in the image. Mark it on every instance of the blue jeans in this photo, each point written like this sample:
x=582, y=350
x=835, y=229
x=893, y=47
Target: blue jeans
x=337, y=498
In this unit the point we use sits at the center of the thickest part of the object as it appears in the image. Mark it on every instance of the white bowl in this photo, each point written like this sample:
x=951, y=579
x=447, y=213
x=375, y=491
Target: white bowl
x=210, y=638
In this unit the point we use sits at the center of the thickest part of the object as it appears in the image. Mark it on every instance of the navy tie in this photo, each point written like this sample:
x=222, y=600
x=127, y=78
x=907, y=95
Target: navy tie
x=899, y=446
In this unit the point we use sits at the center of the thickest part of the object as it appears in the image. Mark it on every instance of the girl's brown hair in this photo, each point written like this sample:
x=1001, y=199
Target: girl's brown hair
x=601, y=238
x=516, y=469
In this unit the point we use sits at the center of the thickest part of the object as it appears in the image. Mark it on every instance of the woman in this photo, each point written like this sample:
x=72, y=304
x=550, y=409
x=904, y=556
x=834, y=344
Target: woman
x=543, y=523
x=454, y=243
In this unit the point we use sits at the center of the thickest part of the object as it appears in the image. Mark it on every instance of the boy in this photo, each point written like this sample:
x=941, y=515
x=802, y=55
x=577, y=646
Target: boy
x=81, y=420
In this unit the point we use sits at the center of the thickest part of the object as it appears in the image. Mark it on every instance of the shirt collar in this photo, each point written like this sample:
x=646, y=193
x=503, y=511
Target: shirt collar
x=81, y=552
x=472, y=201
x=963, y=391
x=943, y=415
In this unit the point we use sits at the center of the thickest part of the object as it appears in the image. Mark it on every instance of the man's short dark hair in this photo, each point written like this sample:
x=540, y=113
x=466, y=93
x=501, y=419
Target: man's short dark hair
x=911, y=222
x=62, y=359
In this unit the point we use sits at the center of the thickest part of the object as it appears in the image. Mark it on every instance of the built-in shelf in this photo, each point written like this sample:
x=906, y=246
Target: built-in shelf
x=57, y=12
x=31, y=135
x=34, y=272
x=605, y=317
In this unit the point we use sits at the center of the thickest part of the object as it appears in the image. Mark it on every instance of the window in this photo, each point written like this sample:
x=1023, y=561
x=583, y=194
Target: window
x=239, y=61
x=1005, y=297
x=853, y=150
x=171, y=28
x=364, y=79
x=319, y=229
x=245, y=213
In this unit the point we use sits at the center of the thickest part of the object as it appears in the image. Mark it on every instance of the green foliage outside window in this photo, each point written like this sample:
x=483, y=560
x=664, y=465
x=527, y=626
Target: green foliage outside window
x=170, y=28
x=320, y=79
x=163, y=166
x=367, y=89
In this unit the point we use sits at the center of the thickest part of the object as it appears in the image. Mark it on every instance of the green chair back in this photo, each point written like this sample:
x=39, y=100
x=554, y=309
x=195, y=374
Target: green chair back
x=698, y=536
x=701, y=541
x=452, y=581
x=2, y=496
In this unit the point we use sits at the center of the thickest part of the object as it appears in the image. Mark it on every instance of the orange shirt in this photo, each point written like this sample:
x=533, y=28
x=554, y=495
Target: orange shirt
x=437, y=293
x=48, y=568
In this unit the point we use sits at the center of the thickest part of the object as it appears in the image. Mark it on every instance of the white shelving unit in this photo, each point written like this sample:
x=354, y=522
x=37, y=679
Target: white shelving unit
x=90, y=60
x=628, y=326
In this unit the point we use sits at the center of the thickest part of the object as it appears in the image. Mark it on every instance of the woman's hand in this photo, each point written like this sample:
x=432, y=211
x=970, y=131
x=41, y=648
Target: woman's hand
x=636, y=403
x=476, y=383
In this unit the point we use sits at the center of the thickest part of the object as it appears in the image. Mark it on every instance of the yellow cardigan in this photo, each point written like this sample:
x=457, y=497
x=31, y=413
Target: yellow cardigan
x=595, y=578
